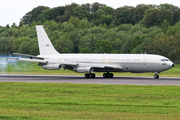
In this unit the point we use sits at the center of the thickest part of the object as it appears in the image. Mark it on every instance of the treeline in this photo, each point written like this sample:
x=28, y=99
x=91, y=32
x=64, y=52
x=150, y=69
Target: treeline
x=77, y=35
x=97, y=14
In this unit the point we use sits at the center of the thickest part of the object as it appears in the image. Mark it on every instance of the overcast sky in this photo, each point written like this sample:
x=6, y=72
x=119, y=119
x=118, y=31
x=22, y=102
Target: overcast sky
x=12, y=10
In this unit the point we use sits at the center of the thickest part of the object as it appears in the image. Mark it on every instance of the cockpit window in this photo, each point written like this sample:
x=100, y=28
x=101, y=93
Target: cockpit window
x=164, y=59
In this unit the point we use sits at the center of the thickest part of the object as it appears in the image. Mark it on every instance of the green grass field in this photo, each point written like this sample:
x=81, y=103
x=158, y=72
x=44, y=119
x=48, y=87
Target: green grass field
x=41, y=101
x=29, y=68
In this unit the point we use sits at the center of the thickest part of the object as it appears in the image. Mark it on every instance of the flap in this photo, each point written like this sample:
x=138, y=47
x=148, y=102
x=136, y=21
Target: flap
x=69, y=63
x=94, y=65
x=113, y=66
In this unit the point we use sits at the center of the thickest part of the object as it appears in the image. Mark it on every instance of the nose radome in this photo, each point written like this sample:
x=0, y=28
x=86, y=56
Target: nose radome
x=173, y=65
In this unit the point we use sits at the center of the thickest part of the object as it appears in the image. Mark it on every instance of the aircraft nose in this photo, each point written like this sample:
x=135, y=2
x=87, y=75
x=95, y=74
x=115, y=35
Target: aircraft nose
x=173, y=65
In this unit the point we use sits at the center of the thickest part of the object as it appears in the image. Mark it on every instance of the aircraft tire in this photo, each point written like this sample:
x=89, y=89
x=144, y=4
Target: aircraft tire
x=94, y=75
x=86, y=75
x=111, y=75
x=105, y=75
x=156, y=76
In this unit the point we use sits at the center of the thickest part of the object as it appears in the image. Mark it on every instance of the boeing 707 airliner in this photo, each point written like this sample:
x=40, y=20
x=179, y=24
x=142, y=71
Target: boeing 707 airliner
x=89, y=64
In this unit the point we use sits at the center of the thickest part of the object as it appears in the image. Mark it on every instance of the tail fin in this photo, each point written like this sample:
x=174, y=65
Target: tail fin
x=45, y=45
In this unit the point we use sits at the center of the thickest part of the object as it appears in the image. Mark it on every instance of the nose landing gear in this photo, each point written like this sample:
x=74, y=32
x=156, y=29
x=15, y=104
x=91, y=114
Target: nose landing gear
x=156, y=76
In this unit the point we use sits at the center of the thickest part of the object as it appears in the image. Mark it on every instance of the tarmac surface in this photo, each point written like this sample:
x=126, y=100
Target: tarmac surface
x=97, y=80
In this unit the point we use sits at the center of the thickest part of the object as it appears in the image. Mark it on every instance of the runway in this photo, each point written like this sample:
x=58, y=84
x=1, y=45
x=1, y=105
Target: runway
x=97, y=80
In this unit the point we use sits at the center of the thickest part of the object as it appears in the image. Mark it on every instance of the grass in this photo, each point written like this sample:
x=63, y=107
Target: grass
x=41, y=101
x=84, y=101
x=29, y=68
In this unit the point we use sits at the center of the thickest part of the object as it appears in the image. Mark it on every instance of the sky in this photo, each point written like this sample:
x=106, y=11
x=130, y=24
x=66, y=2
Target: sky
x=11, y=11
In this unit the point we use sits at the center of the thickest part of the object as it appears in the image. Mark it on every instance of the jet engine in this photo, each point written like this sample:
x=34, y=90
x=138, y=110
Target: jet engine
x=84, y=69
x=52, y=66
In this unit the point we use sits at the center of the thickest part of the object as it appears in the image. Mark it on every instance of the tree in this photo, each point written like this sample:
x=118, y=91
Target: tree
x=75, y=21
x=75, y=38
x=127, y=44
x=117, y=44
x=142, y=48
x=157, y=17
x=65, y=50
x=67, y=13
x=139, y=11
x=165, y=25
x=123, y=15
x=68, y=27
x=160, y=45
x=106, y=19
x=87, y=6
x=111, y=26
x=85, y=41
x=59, y=44
x=173, y=29
x=34, y=15
x=176, y=16
x=105, y=44
x=103, y=15
x=52, y=14
x=7, y=26
x=85, y=50
x=137, y=41
x=84, y=23
x=95, y=6
x=21, y=23
x=14, y=25
x=80, y=12
x=5, y=44
x=167, y=7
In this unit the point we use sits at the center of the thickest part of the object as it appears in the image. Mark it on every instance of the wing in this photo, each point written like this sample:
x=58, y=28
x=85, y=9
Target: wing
x=75, y=66
x=91, y=67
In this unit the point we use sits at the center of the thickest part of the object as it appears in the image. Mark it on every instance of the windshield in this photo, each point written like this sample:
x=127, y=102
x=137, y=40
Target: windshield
x=164, y=59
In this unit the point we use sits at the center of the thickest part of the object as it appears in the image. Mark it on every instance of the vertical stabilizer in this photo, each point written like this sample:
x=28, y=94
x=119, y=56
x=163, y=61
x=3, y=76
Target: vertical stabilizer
x=45, y=45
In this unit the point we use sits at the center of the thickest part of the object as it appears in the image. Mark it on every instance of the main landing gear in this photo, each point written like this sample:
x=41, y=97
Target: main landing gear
x=89, y=75
x=105, y=75
x=108, y=75
x=156, y=76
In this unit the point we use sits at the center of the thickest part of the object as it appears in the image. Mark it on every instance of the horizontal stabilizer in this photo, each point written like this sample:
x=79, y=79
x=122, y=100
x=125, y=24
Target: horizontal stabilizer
x=29, y=60
x=30, y=56
x=33, y=60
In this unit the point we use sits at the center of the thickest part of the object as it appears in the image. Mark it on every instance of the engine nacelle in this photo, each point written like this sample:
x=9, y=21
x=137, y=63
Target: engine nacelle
x=84, y=69
x=52, y=66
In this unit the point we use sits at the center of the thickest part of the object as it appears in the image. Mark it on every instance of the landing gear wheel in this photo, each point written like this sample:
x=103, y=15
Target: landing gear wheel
x=86, y=75
x=94, y=75
x=111, y=75
x=108, y=75
x=90, y=75
x=104, y=75
x=156, y=76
